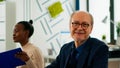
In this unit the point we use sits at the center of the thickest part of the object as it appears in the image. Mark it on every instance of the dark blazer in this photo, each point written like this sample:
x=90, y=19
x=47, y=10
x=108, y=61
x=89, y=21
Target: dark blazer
x=94, y=55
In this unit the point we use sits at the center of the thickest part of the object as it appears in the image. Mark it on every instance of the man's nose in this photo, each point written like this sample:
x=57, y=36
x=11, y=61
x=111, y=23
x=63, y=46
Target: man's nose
x=79, y=26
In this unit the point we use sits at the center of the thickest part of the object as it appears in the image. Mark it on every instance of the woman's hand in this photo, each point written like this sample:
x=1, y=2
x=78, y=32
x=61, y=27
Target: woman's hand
x=22, y=55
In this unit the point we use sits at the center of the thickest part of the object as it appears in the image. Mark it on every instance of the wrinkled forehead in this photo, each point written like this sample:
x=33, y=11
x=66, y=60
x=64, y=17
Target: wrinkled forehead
x=81, y=16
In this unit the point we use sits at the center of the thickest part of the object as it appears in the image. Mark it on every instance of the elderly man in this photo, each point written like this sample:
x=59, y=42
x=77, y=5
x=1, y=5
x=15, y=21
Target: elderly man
x=84, y=51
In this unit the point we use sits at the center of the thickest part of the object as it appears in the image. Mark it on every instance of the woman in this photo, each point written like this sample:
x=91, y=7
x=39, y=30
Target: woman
x=23, y=30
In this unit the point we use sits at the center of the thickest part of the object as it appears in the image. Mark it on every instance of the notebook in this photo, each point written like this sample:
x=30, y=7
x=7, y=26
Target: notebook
x=8, y=59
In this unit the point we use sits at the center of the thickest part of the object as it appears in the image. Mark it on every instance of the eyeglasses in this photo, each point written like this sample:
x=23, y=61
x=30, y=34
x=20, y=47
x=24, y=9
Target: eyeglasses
x=83, y=25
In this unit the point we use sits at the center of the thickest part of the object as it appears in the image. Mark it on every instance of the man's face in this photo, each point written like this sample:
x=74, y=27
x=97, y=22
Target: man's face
x=80, y=26
x=19, y=34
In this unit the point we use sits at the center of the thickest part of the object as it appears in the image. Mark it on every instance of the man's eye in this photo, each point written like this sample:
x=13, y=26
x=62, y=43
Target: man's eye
x=76, y=23
x=84, y=24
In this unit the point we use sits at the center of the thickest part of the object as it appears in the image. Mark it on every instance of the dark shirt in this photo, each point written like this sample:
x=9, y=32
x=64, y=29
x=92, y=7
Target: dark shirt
x=74, y=55
x=79, y=50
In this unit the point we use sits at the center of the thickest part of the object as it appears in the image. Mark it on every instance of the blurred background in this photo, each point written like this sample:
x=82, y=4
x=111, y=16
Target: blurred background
x=51, y=23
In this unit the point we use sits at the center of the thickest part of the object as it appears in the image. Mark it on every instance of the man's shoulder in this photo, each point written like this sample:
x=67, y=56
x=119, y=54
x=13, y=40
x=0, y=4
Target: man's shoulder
x=97, y=43
x=68, y=45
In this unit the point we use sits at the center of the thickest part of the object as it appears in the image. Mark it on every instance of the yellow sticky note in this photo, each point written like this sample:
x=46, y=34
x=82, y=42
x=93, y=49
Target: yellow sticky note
x=55, y=9
x=1, y=0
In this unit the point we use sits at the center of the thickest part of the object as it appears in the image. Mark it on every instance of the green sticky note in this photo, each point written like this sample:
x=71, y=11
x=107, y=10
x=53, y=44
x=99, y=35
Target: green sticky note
x=55, y=9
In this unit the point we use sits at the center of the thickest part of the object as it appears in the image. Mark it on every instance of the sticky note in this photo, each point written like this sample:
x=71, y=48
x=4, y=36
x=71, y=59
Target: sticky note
x=55, y=9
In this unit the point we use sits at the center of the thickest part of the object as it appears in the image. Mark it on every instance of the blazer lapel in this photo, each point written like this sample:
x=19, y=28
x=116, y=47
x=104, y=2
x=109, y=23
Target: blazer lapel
x=83, y=57
x=67, y=60
x=68, y=56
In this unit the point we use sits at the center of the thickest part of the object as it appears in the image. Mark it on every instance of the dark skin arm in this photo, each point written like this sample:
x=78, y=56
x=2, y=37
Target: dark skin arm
x=22, y=55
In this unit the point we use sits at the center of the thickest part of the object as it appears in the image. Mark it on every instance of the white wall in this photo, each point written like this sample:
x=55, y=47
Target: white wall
x=116, y=14
x=2, y=27
x=83, y=5
x=49, y=31
x=10, y=21
x=7, y=20
x=100, y=9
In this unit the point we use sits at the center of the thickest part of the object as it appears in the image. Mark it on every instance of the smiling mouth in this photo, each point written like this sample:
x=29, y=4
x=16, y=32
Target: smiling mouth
x=79, y=32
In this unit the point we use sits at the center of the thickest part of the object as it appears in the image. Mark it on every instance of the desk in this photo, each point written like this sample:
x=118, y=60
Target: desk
x=114, y=63
x=114, y=56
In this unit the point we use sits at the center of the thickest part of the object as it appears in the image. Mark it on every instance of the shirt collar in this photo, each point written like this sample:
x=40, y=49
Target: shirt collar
x=79, y=49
